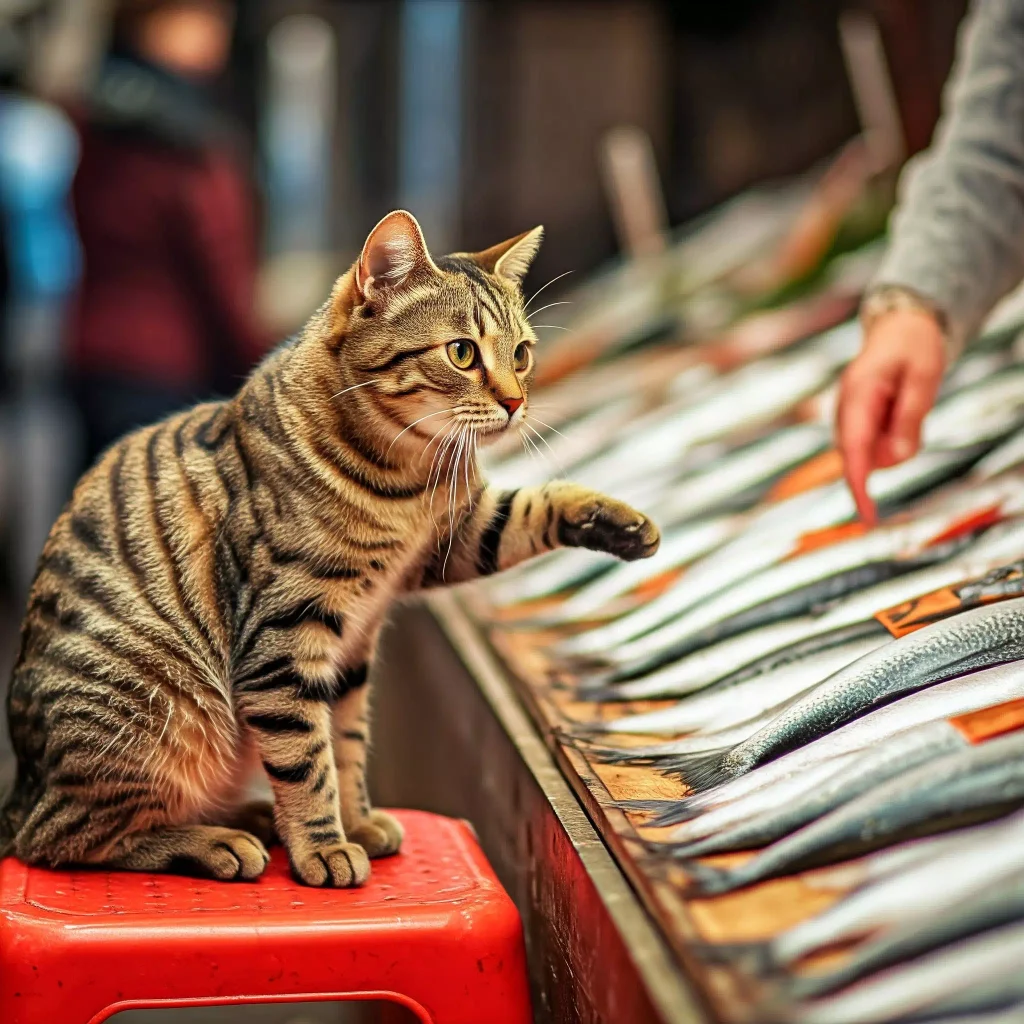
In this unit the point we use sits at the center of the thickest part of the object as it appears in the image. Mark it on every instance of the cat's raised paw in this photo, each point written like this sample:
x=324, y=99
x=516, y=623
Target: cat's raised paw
x=380, y=835
x=603, y=524
x=342, y=866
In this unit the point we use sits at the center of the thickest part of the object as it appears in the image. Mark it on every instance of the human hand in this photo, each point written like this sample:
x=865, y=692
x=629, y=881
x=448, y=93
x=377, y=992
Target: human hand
x=885, y=394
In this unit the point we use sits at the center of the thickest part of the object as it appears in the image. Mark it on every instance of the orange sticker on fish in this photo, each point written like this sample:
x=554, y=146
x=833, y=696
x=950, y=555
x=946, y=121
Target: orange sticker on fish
x=830, y=535
x=922, y=611
x=978, y=726
x=918, y=612
x=825, y=468
x=982, y=519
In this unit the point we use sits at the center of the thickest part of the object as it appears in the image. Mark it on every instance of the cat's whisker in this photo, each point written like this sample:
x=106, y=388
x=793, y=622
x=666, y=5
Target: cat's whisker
x=553, y=327
x=438, y=462
x=543, y=286
x=539, y=435
x=411, y=425
x=550, y=305
x=452, y=489
x=366, y=383
x=433, y=438
x=554, y=430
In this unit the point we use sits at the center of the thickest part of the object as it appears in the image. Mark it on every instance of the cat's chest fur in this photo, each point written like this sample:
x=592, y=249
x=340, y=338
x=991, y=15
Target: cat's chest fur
x=385, y=576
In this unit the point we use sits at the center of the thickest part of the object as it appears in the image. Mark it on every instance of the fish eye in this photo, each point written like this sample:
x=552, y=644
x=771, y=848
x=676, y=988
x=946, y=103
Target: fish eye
x=521, y=357
x=462, y=352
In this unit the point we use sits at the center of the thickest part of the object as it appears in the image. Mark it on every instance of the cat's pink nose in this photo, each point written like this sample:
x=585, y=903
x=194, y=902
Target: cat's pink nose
x=510, y=405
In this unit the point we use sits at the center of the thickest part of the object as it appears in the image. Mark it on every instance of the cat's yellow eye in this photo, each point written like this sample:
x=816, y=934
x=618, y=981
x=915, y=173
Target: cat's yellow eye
x=462, y=353
x=521, y=357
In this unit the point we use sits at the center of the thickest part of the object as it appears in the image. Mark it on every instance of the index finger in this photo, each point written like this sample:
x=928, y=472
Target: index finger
x=860, y=419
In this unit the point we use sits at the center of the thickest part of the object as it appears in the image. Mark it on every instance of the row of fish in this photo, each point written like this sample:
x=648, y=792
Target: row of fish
x=825, y=692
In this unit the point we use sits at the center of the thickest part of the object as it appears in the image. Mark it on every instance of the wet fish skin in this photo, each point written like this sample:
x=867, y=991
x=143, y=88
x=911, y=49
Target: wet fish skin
x=726, y=700
x=979, y=974
x=999, y=902
x=975, y=784
x=974, y=639
x=813, y=581
x=767, y=540
x=886, y=888
x=873, y=767
x=956, y=696
x=954, y=864
x=768, y=646
x=678, y=548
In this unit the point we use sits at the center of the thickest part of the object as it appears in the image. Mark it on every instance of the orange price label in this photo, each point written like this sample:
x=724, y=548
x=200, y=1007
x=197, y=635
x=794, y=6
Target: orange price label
x=978, y=726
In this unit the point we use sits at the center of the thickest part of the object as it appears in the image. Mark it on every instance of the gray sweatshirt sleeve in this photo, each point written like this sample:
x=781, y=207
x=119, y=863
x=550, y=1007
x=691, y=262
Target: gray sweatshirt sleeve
x=957, y=235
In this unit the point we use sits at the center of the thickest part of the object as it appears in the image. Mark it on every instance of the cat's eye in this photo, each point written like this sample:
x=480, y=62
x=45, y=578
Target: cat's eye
x=521, y=357
x=462, y=353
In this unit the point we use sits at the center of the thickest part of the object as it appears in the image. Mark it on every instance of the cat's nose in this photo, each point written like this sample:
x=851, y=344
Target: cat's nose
x=510, y=405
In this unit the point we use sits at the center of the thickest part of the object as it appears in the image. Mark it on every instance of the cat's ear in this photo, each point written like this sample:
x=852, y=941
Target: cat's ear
x=393, y=251
x=511, y=259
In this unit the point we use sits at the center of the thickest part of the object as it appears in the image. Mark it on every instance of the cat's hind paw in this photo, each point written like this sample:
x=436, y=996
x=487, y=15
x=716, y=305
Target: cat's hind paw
x=380, y=835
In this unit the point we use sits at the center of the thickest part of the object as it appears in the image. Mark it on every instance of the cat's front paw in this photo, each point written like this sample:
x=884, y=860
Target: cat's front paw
x=380, y=835
x=341, y=866
x=604, y=524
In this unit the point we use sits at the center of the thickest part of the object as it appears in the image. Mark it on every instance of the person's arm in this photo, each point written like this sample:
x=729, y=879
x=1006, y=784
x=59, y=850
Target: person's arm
x=957, y=247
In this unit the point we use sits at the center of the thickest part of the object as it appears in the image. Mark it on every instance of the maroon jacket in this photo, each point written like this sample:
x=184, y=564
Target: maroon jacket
x=168, y=237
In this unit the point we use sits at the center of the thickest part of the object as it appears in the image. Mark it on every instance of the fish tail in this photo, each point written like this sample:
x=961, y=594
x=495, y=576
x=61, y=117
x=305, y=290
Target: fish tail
x=581, y=664
x=705, y=880
x=751, y=957
x=700, y=772
x=677, y=814
x=802, y=987
x=620, y=755
x=669, y=812
x=706, y=846
x=598, y=694
x=649, y=806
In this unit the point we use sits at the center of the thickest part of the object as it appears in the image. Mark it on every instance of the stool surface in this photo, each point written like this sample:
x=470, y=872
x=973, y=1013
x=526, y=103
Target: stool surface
x=433, y=928
x=439, y=864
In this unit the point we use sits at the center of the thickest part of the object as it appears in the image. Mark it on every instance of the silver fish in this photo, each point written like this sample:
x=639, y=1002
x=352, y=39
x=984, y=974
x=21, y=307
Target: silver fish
x=997, y=899
x=798, y=586
x=637, y=638
x=719, y=706
x=897, y=884
x=976, y=783
x=550, y=574
x=742, y=475
x=764, y=650
x=744, y=398
x=678, y=548
x=988, y=635
x=863, y=773
x=781, y=643
x=939, y=702
x=981, y=973
x=720, y=818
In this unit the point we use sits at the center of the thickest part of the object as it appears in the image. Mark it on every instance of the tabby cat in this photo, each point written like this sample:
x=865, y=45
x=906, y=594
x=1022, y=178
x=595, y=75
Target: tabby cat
x=212, y=595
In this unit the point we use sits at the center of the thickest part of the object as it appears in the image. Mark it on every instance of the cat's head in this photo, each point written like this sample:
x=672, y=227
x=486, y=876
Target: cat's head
x=446, y=342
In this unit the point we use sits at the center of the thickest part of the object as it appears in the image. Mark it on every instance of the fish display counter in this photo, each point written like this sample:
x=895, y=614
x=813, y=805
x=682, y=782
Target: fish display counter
x=801, y=740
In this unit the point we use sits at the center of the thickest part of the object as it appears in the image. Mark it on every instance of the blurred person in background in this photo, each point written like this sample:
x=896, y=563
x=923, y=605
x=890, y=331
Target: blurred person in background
x=956, y=248
x=165, y=212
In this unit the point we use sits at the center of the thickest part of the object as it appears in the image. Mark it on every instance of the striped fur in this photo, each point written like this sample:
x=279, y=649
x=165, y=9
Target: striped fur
x=210, y=599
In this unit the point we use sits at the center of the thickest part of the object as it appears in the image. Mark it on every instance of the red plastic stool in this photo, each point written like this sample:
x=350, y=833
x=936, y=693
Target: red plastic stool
x=433, y=931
